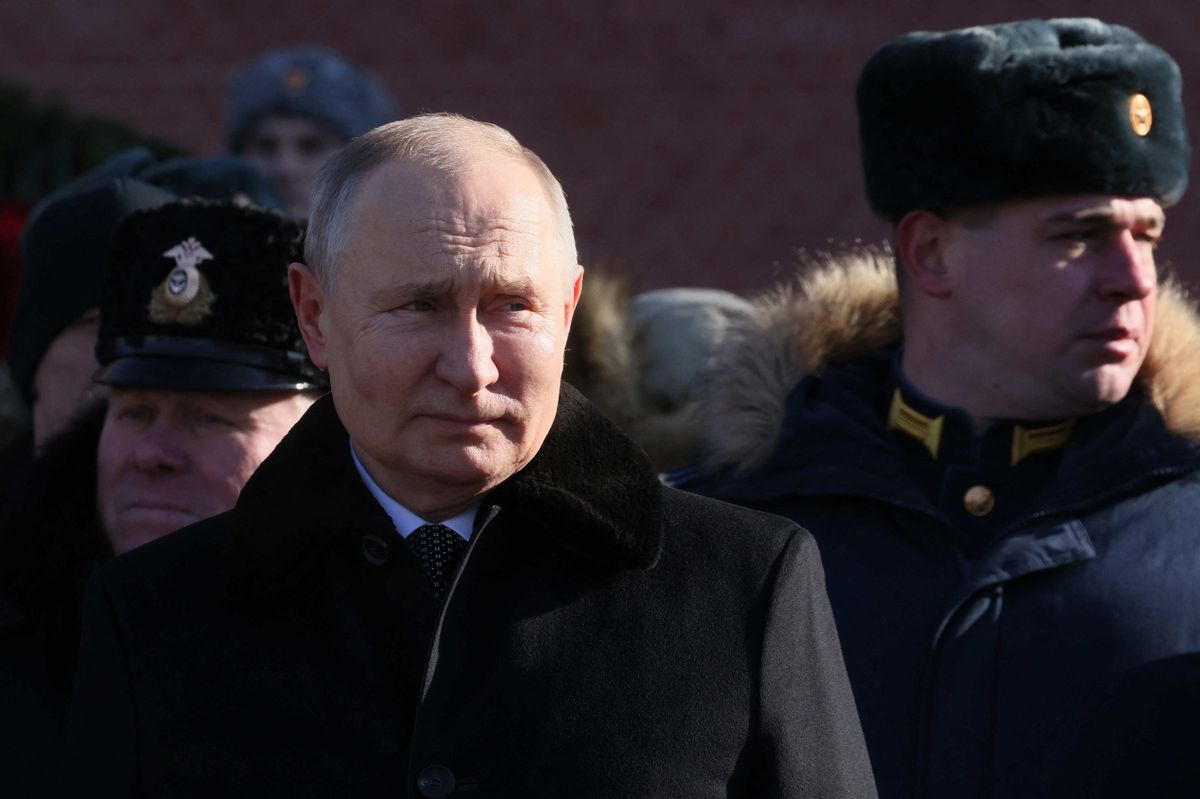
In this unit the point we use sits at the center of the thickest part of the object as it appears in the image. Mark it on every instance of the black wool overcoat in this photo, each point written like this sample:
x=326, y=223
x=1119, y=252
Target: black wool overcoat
x=605, y=637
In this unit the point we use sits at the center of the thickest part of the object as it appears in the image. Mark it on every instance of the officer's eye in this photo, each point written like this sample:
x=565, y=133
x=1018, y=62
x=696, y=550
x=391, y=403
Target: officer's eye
x=134, y=413
x=207, y=419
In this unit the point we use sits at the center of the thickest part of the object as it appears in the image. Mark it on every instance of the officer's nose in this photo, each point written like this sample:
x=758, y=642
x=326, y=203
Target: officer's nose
x=161, y=449
x=1128, y=270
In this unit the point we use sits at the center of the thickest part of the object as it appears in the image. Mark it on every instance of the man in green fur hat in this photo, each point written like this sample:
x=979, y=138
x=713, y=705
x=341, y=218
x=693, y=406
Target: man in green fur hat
x=999, y=456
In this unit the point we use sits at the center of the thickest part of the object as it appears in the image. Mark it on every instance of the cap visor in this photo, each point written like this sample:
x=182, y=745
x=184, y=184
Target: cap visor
x=191, y=374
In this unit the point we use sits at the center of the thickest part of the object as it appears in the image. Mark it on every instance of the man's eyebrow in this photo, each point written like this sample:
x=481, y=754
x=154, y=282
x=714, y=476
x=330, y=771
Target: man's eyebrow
x=424, y=288
x=1102, y=216
x=512, y=285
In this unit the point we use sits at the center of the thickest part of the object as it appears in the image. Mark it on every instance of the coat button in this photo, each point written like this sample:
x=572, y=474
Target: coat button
x=374, y=550
x=979, y=500
x=435, y=782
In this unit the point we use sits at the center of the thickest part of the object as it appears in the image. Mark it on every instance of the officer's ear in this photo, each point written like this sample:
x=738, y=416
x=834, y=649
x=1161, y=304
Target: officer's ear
x=921, y=238
x=309, y=300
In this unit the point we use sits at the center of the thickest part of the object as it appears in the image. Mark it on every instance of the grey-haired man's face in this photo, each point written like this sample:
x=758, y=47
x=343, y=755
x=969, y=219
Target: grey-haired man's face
x=445, y=330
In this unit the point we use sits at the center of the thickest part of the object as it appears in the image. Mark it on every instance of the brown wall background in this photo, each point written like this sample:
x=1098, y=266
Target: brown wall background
x=699, y=142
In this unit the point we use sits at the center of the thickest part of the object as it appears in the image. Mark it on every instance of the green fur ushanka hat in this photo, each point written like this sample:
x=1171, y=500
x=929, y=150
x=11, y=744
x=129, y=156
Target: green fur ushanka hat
x=1019, y=110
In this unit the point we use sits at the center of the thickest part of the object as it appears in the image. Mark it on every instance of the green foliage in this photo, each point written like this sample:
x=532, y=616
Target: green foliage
x=44, y=145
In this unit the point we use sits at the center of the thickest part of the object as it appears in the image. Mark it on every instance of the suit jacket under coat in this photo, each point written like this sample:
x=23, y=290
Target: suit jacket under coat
x=605, y=637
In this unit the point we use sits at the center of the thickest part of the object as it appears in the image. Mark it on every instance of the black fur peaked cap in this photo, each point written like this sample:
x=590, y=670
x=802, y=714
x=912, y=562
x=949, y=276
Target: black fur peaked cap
x=196, y=299
x=1020, y=110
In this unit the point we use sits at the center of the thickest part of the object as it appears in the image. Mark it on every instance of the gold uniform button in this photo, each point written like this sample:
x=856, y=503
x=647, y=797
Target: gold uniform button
x=979, y=500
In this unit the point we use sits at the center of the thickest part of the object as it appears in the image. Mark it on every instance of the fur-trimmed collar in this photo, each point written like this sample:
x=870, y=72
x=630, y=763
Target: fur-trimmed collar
x=845, y=306
x=590, y=485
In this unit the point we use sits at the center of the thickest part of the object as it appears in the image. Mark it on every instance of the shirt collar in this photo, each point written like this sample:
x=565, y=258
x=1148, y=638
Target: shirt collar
x=405, y=520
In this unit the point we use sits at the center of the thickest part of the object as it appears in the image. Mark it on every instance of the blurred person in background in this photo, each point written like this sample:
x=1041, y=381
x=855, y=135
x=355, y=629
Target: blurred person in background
x=291, y=109
x=65, y=244
x=207, y=370
x=644, y=359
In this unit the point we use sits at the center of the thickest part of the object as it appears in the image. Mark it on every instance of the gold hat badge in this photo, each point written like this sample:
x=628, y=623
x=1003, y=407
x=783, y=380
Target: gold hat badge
x=184, y=297
x=1141, y=117
x=296, y=80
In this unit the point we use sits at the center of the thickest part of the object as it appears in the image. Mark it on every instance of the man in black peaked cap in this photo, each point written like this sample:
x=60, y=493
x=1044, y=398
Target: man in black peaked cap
x=999, y=458
x=207, y=371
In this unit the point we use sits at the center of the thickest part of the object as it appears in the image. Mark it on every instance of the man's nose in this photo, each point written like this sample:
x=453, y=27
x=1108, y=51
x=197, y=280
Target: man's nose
x=466, y=358
x=1128, y=270
x=161, y=449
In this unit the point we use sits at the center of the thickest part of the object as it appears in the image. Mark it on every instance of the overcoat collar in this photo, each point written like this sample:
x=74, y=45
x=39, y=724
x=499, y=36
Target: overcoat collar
x=591, y=487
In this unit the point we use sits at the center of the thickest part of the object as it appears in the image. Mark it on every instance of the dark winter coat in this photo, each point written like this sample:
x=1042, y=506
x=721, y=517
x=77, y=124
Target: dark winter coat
x=50, y=543
x=604, y=637
x=979, y=647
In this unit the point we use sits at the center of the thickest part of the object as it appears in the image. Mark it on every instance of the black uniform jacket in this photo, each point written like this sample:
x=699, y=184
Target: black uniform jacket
x=605, y=637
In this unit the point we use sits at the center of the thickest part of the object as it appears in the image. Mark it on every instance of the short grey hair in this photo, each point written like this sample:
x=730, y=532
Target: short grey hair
x=446, y=143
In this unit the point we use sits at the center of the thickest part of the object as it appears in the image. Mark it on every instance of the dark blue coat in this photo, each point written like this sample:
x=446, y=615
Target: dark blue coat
x=981, y=648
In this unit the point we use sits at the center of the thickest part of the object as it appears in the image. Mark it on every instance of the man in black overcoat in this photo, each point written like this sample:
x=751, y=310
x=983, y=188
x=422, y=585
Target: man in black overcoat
x=454, y=577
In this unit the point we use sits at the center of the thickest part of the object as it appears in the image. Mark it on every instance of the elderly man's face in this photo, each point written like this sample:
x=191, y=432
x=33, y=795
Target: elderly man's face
x=445, y=330
x=171, y=458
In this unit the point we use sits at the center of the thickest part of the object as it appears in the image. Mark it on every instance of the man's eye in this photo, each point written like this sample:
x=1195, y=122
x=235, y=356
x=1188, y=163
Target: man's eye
x=310, y=146
x=263, y=147
x=134, y=413
x=417, y=305
x=514, y=306
x=214, y=420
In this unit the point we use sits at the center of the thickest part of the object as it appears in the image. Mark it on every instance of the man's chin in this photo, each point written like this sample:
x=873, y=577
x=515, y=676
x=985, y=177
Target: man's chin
x=142, y=526
x=470, y=468
x=1105, y=387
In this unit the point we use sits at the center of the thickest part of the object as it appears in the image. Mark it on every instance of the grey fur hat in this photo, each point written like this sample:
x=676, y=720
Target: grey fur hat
x=1019, y=110
x=310, y=82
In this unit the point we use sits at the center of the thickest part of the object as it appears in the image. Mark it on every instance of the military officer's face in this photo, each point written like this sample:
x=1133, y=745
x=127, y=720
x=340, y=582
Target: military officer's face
x=444, y=330
x=289, y=151
x=1057, y=297
x=171, y=458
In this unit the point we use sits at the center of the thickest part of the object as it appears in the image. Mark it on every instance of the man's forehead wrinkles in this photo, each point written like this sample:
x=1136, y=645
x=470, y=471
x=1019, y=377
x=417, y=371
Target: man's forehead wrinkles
x=462, y=227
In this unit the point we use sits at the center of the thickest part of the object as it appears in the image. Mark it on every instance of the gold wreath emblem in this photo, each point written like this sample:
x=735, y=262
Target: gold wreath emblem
x=183, y=298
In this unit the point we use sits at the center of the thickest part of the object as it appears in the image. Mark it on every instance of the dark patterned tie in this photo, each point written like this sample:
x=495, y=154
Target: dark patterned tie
x=438, y=549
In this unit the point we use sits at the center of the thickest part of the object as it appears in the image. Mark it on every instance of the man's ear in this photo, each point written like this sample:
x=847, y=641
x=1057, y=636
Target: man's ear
x=309, y=300
x=921, y=238
x=574, y=292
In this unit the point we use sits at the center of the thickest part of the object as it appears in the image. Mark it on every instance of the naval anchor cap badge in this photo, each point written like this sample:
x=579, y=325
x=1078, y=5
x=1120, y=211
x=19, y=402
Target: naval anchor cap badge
x=184, y=296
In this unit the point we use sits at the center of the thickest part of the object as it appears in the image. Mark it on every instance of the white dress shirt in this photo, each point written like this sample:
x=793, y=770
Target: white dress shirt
x=405, y=520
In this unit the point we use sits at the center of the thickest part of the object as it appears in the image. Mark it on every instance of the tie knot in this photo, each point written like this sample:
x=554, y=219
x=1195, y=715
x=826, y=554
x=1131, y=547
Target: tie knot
x=438, y=549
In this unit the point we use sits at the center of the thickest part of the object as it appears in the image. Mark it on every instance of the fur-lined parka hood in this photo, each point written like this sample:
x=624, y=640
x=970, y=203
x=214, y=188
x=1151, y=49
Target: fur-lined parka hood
x=845, y=306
